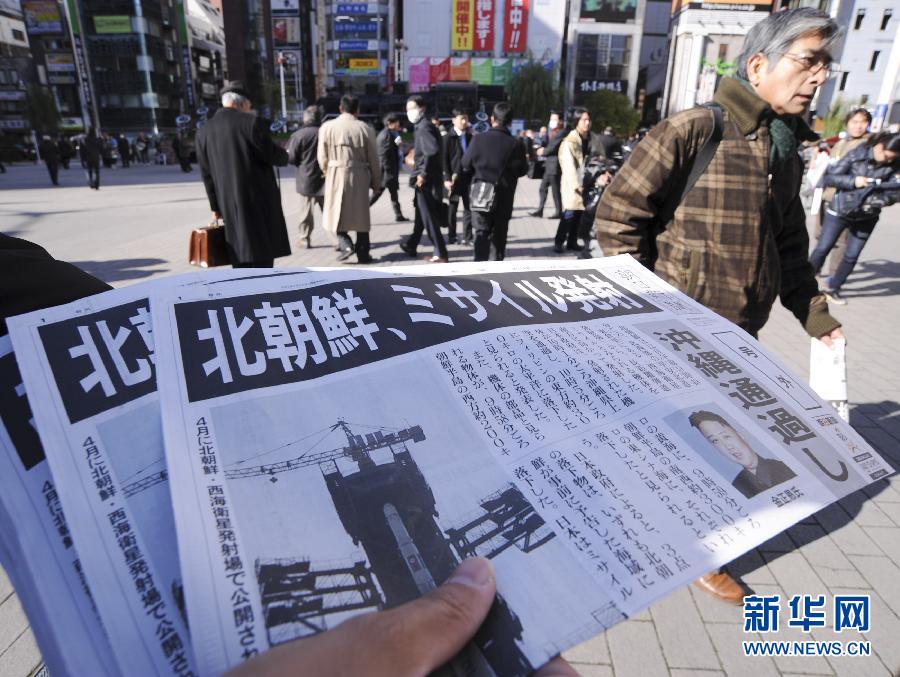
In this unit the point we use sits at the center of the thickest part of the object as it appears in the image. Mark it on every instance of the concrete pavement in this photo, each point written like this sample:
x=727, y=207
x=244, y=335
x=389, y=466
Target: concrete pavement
x=136, y=228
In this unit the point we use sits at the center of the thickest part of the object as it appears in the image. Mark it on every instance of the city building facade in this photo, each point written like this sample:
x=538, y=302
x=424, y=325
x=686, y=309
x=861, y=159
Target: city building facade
x=16, y=71
x=705, y=38
x=869, y=60
x=477, y=40
x=604, y=39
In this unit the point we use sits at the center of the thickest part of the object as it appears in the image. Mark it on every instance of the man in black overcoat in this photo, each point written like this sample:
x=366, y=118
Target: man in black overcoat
x=427, y=175
x=456, y=143
x=550, y=152
x=50, y=154
x=388, y=146
x=495, y=157
x=237, y=156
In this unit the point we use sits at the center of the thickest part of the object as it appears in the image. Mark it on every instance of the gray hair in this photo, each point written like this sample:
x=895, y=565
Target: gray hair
x=774, y=35
x=233, y=100
x=310, y=115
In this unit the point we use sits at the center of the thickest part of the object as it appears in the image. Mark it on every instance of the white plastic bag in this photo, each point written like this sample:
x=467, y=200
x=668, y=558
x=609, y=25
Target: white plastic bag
x=828, y=374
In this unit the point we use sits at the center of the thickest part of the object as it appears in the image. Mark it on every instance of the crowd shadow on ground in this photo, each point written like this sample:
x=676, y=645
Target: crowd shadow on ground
x=878, y=277
x=121, y=270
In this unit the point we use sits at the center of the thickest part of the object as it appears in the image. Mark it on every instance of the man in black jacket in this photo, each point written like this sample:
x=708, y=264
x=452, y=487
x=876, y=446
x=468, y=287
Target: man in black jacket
x=550, y=153
x=236, y=157
x=456, y=143
x=426, y=175
x=388, y=144
x=302, y=149
x=91, y=149
x=50, y=155
x=498, y=158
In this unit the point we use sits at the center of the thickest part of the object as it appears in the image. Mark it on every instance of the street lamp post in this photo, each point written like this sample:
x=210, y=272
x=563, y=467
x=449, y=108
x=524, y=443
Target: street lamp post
x=281, y=60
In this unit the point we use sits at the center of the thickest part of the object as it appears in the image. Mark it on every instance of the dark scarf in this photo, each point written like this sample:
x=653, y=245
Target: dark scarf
x=749, y=112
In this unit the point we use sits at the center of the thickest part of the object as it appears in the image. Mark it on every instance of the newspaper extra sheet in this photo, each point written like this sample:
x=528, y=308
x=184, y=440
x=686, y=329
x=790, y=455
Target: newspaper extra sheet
x=339, y=442
x=89, y=371
x=40, y=555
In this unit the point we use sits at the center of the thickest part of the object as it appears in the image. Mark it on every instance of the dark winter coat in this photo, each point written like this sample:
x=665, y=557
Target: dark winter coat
x=551, y=150
x=497, y=157
x=428, y=162
x=236, y=157
x=389, y=158
x=302, y=147
x=847, y=201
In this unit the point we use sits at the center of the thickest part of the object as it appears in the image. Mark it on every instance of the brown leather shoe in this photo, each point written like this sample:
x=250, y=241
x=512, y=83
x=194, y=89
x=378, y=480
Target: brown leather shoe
x=721, y=585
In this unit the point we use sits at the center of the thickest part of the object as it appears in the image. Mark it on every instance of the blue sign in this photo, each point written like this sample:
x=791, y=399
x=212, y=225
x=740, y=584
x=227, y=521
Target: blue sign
x=353, y=45
x=354, y=8
x=355, y=27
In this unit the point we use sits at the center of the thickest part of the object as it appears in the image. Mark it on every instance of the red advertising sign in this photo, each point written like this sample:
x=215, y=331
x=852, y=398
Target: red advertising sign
x=483, y=40
x=516, y=29
x=440, y=70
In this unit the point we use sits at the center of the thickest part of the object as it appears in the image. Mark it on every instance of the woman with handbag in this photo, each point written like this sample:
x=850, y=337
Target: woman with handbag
x=572, y=152
x=856, y=205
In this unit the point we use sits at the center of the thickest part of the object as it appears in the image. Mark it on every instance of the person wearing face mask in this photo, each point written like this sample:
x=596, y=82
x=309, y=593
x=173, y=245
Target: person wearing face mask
x=427, y=173
x=856, y=124
x=549, y=153
x=736, y=240
x=757, y=473
x=856, y=176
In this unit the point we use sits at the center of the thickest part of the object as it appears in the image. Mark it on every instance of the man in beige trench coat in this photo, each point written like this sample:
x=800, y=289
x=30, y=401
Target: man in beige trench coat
x=349, y=160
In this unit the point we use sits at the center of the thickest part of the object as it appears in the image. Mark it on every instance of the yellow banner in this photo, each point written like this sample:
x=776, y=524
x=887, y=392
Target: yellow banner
x=367, y=64
x=463, y=25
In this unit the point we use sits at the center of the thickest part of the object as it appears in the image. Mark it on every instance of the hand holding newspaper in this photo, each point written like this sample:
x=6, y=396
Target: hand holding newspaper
x=336, y=442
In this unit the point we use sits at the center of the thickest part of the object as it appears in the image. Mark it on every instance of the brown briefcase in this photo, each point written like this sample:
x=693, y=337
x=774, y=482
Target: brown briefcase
x=208, y=248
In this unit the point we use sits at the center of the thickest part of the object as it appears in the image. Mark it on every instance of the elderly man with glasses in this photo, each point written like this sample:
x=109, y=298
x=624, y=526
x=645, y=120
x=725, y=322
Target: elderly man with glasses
x=736, y=238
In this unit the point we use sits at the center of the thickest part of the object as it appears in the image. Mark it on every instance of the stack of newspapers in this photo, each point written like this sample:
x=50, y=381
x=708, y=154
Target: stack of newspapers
x=196, y=469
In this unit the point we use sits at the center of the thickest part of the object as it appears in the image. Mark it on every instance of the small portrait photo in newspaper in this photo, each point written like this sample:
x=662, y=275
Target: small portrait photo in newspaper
x=730, y=449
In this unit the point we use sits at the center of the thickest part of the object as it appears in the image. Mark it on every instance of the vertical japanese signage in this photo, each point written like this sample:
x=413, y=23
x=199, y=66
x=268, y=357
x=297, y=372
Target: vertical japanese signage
x=186, y=63
x=89, y=110
x=483, y=39
x=461, y=36
x=516, y=26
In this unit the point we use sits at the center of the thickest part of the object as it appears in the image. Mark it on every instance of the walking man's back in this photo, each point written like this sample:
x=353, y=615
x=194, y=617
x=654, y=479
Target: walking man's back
x=236, y=156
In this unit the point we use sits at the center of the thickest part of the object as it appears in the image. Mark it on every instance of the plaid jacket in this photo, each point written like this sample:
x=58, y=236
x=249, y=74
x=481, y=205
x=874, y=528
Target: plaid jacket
x=739, y=238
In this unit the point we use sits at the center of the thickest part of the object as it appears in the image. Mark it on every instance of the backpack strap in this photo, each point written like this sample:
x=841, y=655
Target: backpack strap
x=705, y=156
x=699, y=166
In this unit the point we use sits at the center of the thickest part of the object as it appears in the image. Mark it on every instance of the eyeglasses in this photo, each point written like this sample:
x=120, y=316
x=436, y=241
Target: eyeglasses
x=814, y=64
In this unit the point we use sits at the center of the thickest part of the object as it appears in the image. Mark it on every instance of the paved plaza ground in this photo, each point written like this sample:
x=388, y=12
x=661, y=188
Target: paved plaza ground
x=136, y=227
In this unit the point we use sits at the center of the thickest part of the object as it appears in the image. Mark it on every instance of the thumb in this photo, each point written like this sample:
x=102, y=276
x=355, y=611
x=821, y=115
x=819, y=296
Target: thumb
x=420, y=636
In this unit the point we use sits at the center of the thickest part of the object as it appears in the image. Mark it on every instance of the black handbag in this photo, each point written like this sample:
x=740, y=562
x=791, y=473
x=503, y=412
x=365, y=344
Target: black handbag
x=482, y=194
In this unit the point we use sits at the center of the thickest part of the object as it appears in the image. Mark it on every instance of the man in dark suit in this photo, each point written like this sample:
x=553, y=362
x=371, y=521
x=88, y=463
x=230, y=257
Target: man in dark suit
x=758, y=473
x=236, y=157
x=550, y=152
x=124, y=151
x=426, y=177
x=50, y=155
x=498, y=158
x=91, y=150
x=456, y=143
x=302, y=149
x=388, y=144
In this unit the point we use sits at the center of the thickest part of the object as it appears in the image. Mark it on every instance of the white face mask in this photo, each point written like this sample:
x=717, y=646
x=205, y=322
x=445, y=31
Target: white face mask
x=413, y=115
x=553, y=124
